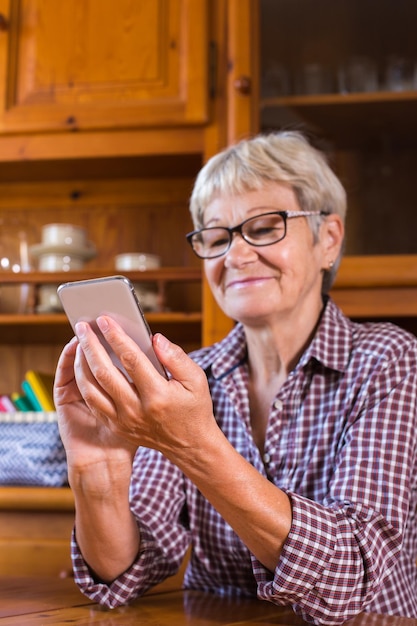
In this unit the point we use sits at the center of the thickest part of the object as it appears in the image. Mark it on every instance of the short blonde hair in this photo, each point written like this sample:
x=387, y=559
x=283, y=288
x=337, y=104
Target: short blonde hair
x=281, y=157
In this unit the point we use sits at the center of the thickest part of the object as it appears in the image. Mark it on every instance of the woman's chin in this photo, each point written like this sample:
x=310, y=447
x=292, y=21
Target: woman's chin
x=249, y=316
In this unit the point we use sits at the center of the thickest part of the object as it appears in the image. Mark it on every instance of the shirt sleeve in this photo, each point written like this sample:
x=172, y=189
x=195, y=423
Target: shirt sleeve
x=340, y=550
x=158, y=503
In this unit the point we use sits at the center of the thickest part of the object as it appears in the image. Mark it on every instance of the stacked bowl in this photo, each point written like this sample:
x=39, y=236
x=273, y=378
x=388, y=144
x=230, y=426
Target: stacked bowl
x=147, y=292
x=64, y=247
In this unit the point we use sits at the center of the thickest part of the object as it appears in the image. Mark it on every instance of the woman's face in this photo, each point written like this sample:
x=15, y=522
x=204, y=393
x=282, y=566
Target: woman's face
x=261, y=285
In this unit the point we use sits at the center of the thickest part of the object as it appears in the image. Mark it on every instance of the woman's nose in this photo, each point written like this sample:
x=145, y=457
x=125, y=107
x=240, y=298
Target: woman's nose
x=240, y=251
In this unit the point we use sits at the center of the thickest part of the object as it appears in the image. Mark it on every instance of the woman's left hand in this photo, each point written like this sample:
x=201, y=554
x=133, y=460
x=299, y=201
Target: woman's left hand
x=171, y=416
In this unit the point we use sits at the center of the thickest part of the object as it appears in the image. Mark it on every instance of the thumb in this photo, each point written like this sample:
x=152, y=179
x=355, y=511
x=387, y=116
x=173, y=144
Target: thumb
x=177, y=362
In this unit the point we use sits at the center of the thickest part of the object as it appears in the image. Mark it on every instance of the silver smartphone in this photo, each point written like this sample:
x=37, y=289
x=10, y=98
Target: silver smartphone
x=85, y=300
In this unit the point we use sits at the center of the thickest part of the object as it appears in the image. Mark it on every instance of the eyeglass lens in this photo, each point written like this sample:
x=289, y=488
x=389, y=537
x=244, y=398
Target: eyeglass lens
x=261, y=230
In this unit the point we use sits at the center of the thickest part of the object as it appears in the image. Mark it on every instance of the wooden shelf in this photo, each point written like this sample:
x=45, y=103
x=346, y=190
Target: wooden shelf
x=37, y=328
x=24, y=148
x=356, y=119
x=380, y=286
x=165, y=275
x=337, y=99
x=36, y=498
x=100, y=167
x=366, y=286
x=377, y=271
x=55, y=328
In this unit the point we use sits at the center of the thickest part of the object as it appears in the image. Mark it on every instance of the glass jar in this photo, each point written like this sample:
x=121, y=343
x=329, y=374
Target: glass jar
x=14, y=258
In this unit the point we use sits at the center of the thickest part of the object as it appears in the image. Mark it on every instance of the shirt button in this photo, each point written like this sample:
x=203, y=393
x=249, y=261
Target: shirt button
x=278, y=405
x=267, y=457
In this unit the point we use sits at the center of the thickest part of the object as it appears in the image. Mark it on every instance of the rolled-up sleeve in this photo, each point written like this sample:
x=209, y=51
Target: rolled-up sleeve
x=157, y=501
x=340, y=550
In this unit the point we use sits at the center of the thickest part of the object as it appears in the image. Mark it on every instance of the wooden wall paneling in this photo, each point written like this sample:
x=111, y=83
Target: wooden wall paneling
x=16, y=359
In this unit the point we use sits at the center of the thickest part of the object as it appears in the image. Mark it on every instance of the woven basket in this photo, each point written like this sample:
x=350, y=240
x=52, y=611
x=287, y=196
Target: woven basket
x=31, y=450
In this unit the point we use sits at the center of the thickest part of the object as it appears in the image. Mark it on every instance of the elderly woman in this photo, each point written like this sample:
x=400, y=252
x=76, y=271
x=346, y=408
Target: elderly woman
x=285, y=455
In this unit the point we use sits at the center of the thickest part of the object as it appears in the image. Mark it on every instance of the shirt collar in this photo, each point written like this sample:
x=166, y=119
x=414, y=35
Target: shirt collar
x=332, y=342
x=222, y=357
x=330, y=346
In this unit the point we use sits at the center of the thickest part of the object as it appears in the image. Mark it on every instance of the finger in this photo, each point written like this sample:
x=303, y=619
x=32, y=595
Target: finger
x=91, y=365
x=64, y=370
x=118, y=412
x=98, y=359
x=64, y=374
x=177, y=362
x=103, y=386
x=94, y=396
x=136, y=363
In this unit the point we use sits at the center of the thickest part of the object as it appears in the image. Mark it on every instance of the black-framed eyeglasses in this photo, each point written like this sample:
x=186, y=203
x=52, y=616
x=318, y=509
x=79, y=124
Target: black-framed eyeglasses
x=260, y=230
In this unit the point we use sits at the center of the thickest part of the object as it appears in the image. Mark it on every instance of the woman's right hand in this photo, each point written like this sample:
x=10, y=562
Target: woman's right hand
x=91, y=447
x=99, y=472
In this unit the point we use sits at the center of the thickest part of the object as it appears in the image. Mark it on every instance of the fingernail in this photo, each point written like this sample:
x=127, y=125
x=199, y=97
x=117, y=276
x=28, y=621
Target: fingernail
x=80, y=329
x=162, y=341
x=103, y=324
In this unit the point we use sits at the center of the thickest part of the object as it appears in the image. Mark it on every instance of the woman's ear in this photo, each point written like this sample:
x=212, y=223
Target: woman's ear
x=332, y=233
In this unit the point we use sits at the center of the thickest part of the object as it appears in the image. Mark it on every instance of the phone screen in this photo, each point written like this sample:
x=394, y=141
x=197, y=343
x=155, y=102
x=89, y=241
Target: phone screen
x=85, y=300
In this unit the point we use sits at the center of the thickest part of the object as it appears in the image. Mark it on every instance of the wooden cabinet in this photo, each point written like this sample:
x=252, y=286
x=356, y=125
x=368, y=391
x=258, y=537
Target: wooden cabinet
x=35, y=531
x=104, y=111
x=94, y=64
x=370, y=137
x=347, y=73
x=289, y=62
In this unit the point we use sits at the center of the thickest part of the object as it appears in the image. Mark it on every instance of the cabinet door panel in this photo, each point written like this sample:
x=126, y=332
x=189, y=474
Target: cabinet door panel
x=99, y=64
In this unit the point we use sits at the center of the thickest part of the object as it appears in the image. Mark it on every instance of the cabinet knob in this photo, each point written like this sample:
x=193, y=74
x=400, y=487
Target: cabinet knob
x=243, y=85
x=66, y=573
x=3, y=23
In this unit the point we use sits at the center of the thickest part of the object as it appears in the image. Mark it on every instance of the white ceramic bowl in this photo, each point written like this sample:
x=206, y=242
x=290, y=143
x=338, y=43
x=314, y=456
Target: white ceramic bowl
x=148, y=296
x=60, y=263
x=136, y=261
x=48, y=301
x=64, y=235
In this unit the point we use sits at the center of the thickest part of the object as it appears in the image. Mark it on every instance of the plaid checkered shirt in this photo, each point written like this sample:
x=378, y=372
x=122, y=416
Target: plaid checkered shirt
x=341, y=442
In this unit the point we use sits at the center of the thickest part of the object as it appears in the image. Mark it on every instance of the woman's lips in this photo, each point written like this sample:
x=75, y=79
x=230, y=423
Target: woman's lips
x=242, y=283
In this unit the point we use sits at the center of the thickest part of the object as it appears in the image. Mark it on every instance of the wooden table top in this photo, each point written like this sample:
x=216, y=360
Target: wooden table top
x=55, y=602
